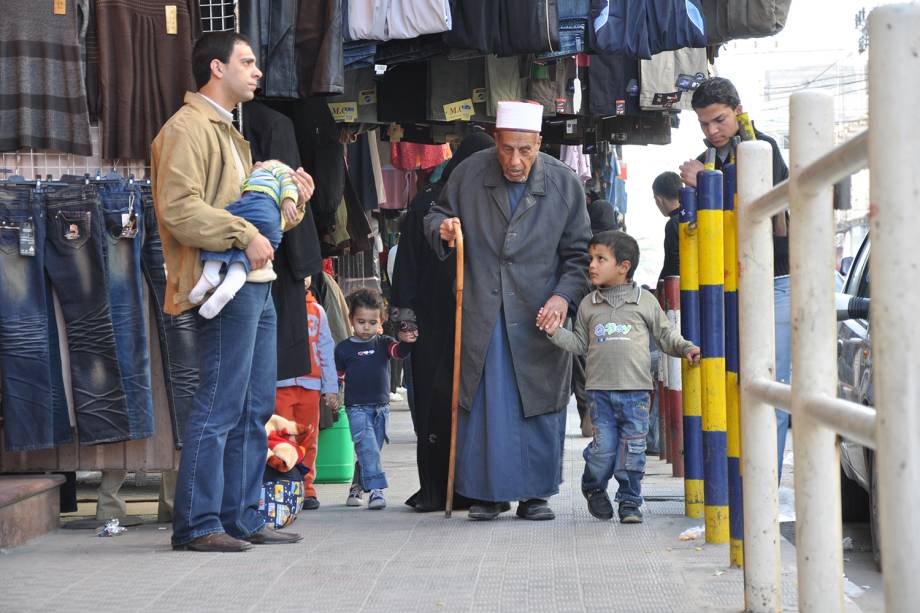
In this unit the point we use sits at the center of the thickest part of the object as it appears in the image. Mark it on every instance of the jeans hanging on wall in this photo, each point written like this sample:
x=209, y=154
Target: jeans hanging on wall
x=177, y=333
x=124, y=234
x=33, y=403
x=75, y=263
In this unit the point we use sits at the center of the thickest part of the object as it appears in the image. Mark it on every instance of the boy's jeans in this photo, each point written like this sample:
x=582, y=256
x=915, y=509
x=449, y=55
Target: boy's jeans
x=618, y=449
x=368, y=424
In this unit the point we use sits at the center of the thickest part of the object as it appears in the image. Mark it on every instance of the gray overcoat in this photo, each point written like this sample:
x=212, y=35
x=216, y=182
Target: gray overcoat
x=517, y=263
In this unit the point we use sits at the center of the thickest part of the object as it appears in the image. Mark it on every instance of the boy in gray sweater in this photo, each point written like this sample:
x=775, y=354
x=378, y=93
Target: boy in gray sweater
x=613, y=326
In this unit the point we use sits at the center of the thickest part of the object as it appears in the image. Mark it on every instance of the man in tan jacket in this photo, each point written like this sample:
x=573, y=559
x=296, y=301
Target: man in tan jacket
x=199, y=160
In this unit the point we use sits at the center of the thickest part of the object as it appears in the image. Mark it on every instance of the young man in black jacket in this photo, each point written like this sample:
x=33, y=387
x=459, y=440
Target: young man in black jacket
x=717, y=106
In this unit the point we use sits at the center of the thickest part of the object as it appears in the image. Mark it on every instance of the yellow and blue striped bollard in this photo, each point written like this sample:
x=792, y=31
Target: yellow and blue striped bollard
x=690, y=330
x=732, y=404
x=712, y=326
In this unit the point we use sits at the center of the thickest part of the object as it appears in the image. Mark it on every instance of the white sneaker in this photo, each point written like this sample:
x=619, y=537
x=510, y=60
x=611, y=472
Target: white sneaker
x=376, y=500
x=395, y=397
x=401, y=390
x=355, y=496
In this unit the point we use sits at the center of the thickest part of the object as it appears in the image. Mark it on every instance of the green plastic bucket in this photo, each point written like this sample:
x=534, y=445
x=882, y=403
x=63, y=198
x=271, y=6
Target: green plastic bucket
x=335, y=454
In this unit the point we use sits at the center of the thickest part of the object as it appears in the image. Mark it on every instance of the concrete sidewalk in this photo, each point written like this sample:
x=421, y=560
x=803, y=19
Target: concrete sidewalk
x=353, y=559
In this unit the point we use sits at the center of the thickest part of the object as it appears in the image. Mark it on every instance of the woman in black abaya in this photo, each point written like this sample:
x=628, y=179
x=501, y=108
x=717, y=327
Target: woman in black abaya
x=423, y=287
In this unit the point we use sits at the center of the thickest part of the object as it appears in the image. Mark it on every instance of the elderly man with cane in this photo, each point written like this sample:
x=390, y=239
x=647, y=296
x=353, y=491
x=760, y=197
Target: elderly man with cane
x=526, y=233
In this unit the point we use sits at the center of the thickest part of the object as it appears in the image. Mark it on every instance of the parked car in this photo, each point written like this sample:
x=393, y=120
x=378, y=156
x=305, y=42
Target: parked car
x=854, y=375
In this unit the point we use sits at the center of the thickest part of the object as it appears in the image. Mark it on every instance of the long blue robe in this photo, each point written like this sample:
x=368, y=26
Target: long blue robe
x=501, y=455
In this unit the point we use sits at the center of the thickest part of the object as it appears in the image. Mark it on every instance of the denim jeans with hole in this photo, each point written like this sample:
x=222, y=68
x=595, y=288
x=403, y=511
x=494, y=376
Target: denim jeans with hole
x=618, y=450
x=33, y=403
x=177, y=333
x=368, y=424
x=75, y=262
x=223, y=453
x=124, y=234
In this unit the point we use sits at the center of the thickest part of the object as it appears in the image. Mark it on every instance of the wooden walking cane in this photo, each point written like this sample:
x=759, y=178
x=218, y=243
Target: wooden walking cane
x=457, y=243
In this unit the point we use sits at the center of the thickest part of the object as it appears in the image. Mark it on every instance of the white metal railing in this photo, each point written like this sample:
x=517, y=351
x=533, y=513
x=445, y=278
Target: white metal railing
x=889, y=148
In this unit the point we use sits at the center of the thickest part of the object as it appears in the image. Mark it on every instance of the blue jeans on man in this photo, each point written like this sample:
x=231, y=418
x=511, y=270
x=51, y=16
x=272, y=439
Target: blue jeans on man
x=368, y=424
x=620, y=421
x=223, y=455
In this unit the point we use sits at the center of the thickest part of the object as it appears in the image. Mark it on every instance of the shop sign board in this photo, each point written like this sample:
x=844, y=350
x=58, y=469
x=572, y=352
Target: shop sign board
x=461, y=110
x=344, y=111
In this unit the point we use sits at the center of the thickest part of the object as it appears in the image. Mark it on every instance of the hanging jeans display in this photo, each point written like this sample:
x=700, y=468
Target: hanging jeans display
x=177, y=333
x=33, y=402
x=75, y=263
x=124, y=234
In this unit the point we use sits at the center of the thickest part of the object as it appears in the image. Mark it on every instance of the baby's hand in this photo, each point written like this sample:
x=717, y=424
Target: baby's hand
x=289, y=210
x=408, y=336
x=693, y=356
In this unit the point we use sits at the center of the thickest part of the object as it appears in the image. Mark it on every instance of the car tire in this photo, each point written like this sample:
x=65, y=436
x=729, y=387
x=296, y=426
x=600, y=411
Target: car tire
x=854, y=501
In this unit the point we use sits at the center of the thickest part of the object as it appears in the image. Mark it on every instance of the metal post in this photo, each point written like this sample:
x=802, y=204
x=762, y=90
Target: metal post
x=690, y=377
x=675, y=400
x=814, y=360
x=762, y=577
x=712, y=324
x=661, y=389
x=893, y=69
x=732, y=413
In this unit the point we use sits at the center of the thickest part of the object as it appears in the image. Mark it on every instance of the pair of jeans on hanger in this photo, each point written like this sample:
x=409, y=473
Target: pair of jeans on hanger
x=75, y=264
x=177, y=333
x=33, y=402
x=123, y=235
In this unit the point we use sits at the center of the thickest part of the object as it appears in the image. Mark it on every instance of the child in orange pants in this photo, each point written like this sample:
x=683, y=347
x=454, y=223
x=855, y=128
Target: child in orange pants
x=298, y=399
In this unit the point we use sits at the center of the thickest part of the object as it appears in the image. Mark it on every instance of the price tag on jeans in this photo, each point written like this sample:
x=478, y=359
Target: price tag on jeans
x=60, y=7
x=128, y=225
x=344, y=111
x=27, y=239
x=172, y=19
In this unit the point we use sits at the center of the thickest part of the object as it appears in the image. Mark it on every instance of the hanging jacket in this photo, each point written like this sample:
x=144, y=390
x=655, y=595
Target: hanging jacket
x=504, y=27
x=271, y=136
x=730, y=19
x=321, y=154
x=642, y=28
x=298, y=44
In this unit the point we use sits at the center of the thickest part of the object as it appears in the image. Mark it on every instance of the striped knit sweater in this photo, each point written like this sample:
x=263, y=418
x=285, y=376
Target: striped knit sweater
x=42, y=91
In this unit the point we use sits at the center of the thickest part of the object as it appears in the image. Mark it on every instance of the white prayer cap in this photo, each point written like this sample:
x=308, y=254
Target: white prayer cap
x=522, y=116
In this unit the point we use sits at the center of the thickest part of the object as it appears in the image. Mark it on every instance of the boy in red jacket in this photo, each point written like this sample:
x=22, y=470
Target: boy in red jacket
x=298, y=399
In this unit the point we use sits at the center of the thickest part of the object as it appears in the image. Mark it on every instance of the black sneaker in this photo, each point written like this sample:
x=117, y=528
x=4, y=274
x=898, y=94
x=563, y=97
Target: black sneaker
x=310, y=503
x=599, y=504
x=630, y=513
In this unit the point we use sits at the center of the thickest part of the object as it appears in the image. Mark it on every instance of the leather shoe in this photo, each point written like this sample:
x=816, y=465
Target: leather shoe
x=484, y=511
x=535, y=509
x=267, y=536
x=216, y=541
x=598, y=503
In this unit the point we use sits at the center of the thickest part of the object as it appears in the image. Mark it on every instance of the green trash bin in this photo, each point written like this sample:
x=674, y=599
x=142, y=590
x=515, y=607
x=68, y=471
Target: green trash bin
x=335, y=455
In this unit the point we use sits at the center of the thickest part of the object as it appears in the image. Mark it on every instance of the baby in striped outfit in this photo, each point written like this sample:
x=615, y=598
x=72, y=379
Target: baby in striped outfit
x=268, y=201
